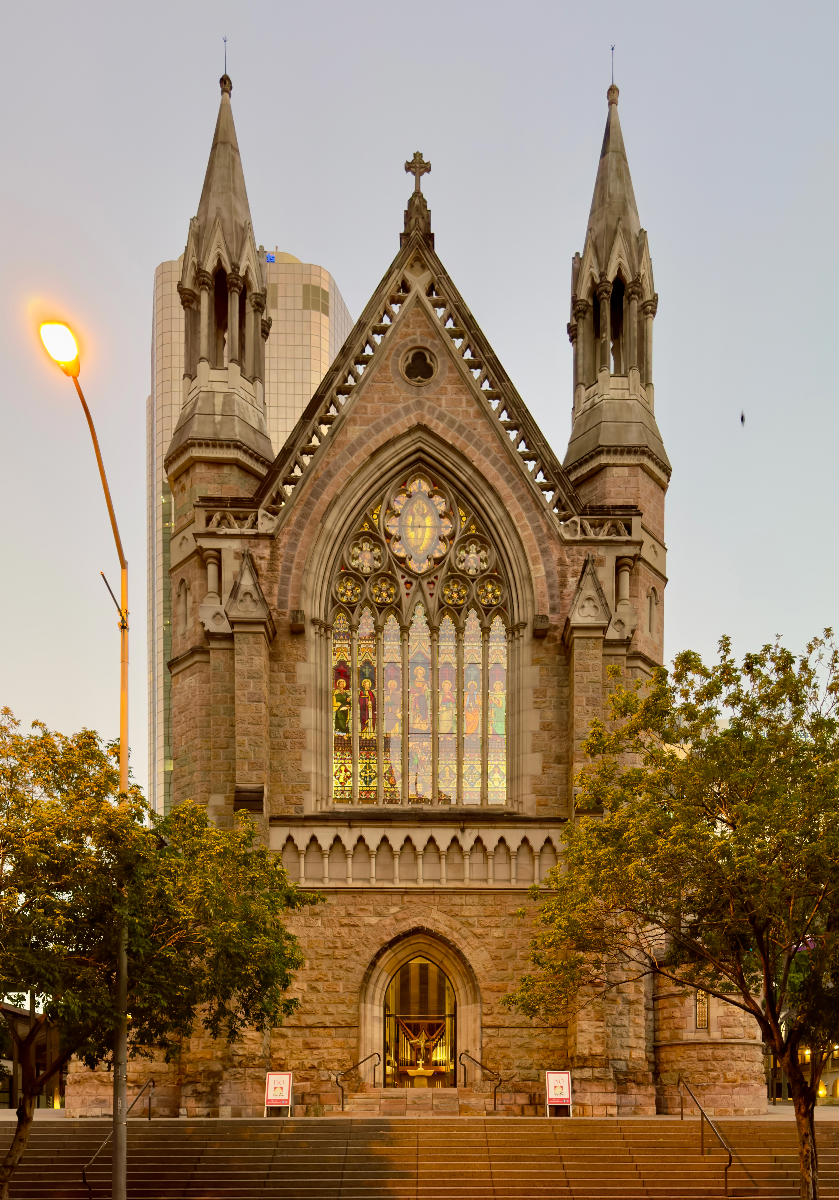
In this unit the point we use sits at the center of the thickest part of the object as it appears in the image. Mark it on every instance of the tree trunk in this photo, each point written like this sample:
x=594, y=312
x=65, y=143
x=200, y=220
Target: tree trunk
x=25, y=1114
x=804, y=1103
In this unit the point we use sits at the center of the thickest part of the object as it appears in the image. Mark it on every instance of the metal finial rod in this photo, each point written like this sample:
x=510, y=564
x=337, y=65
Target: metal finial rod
x=224, y=39
x=613, y=61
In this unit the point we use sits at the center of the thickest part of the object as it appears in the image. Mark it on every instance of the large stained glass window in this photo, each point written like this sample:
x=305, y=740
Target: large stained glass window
x=419, y=654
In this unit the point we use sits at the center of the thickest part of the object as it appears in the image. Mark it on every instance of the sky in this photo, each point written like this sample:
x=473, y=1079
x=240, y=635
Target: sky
x=728, y=115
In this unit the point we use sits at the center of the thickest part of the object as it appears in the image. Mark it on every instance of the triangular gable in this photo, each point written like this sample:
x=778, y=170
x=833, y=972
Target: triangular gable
x=483, y=372
x=589, y=608
x=246, y=603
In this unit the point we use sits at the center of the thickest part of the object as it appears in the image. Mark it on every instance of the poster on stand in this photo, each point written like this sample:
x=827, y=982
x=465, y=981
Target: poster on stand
x=558, y=1094
x=279, y=1092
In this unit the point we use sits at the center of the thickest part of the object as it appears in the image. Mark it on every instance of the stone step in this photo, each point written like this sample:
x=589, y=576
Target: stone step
x=417, y=1158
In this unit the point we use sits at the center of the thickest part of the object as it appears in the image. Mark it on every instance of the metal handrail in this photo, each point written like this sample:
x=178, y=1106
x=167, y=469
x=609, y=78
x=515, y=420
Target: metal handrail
x=337, y=1075
x=147, y=1086
x=703, y=1117
x=499, y=1078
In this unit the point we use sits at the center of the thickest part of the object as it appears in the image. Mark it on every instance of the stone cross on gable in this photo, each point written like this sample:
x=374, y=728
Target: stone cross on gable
x=417, y=166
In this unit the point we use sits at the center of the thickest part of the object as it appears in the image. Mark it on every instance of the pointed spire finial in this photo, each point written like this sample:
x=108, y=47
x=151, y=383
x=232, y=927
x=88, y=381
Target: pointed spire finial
x=226, y=84
x=612, y=94
x=613, y=61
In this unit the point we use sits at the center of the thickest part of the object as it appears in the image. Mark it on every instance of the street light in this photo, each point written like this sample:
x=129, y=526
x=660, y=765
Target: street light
x=62, y=347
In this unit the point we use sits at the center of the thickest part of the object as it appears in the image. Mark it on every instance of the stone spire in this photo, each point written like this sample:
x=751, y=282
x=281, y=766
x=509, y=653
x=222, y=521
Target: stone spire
x=613, y=202
x=224, y=197
x=222, y=290
x=613, y=305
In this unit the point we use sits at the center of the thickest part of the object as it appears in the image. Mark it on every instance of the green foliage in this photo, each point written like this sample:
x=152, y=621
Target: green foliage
x=203, y=906
x=706, y=848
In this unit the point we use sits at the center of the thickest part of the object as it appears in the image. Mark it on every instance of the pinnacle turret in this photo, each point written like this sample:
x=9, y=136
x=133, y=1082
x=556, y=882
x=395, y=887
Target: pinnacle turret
x=613, y=305
x=222, y=290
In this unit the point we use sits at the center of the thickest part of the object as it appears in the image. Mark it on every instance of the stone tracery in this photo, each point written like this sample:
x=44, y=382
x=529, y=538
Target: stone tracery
x=419, y=653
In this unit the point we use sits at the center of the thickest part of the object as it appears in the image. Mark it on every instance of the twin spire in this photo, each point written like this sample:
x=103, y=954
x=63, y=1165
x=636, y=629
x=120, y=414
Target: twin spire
x=613, y=302
x=224, y=195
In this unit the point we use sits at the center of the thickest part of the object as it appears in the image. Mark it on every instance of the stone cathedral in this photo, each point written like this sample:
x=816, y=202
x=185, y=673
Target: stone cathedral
x=390, y=636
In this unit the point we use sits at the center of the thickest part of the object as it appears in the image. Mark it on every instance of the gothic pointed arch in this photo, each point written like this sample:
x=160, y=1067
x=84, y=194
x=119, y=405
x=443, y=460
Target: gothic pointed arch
x=438, y=949
x=418, y=588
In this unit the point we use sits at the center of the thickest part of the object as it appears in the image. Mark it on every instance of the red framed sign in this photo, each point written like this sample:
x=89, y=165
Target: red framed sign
x=279, y=1091
x=558, y=1093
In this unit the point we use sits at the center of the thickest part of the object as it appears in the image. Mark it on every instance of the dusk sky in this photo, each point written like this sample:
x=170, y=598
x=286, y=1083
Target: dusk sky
x=728, y=114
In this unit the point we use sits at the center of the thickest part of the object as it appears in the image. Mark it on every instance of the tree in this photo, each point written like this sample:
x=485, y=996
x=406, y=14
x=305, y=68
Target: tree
x=705, y=851
x=203, y=908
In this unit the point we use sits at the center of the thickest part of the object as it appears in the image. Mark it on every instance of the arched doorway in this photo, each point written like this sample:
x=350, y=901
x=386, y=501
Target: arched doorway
x=420, y=1027
x=463, y=1005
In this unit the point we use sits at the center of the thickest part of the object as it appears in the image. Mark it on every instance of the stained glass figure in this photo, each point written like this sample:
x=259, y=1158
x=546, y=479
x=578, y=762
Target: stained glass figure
x=472, y=710
x=447, y=713
x=419, y=707
x=497, y=714
x=367, y=700
x=342, y=756
x=392, y=711
x=419, y=524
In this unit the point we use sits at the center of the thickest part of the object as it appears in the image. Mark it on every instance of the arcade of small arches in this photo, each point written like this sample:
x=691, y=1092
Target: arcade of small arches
x=224, y=320
x=612, y=328
x=391, y=858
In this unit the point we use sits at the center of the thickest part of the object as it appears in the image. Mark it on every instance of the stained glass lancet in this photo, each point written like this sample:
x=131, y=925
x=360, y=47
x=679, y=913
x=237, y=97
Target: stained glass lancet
x=447, y=712
x=342, y=756
x=497, y=714
x=367, y=677
x=419, y=707
x=473, y=686
x=392, y=711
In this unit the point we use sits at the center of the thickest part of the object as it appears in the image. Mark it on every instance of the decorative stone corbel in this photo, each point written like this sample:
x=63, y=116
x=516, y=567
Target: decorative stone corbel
x=625, y=617
x=210, y=611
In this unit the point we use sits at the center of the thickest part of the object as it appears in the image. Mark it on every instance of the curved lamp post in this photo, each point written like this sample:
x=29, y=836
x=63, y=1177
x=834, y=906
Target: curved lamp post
x=62, y=348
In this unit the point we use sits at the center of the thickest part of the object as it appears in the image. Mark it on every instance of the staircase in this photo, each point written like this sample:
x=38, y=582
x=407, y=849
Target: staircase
x=405, y=1159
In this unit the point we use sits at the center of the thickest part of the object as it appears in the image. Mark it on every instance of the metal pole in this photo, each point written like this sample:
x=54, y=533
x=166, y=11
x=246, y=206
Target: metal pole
x=120, y=1152
x=119, y=1160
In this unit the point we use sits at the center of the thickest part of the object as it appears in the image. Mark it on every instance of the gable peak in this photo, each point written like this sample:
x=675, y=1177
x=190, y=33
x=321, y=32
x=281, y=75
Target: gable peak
x=417, y=214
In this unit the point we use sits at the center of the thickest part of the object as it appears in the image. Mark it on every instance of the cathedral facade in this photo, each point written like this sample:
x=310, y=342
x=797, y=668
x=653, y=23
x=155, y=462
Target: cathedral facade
x=389, y=638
